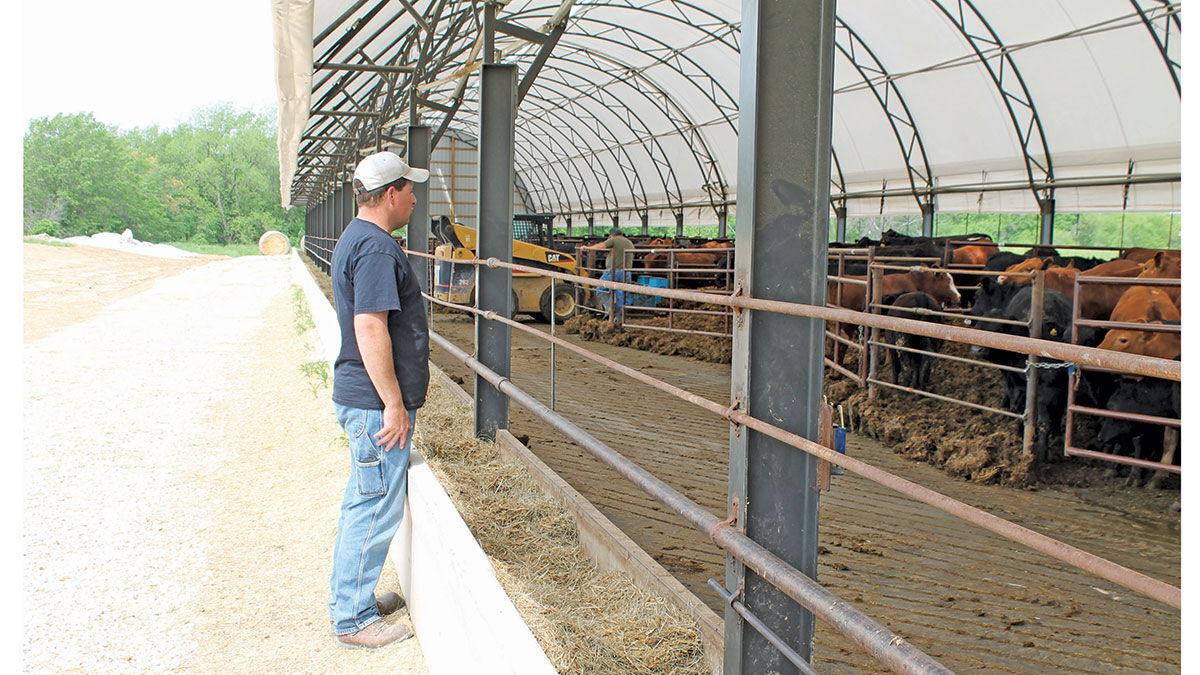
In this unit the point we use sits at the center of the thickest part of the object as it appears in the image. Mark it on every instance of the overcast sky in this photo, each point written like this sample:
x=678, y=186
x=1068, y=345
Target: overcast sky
x=141, y=62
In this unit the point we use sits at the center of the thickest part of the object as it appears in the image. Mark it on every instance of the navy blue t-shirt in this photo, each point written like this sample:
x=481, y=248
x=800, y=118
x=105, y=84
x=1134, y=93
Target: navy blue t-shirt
x=371, y=273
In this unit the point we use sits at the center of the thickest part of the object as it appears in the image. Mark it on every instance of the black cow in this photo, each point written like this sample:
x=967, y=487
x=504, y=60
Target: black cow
x=998, y=262
x=1145, y=396
x=917, y=366
x=1052, y=382
x=991, y=300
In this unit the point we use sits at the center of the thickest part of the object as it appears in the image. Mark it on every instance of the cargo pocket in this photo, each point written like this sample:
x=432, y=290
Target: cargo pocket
x=368, y=457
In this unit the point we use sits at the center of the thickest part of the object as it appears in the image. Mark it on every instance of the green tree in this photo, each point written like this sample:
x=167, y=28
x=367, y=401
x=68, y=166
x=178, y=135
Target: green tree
x=81, y=174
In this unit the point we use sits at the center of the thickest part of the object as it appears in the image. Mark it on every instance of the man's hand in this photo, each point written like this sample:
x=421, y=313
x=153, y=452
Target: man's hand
x=396, y=426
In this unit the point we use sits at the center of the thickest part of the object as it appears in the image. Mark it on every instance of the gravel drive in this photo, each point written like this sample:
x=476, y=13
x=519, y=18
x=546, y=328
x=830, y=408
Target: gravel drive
x=182, y=475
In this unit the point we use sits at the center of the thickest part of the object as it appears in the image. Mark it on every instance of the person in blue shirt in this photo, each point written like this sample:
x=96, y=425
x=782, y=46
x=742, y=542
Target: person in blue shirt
x=379, y=381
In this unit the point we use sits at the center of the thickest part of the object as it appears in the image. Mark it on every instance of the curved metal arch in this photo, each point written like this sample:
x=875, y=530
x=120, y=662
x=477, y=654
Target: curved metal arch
x=657, y=98
x=616, y=107
x=712, y=172
x=1029, y=132
x=628, y=167
x=895, y=108
x=540, y=147
x=1163, y=41
x=635, y=38
x=538, y=128
x=684, y=127
x=660, y=162
x=715, y=184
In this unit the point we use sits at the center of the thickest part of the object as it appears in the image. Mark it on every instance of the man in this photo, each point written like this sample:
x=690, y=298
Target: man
x=379, y=381
x=617, y=244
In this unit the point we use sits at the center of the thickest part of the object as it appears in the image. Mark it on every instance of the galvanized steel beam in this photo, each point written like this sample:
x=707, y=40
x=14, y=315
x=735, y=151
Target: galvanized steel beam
x=784, y=139
x=497, y=113
x=418, y=226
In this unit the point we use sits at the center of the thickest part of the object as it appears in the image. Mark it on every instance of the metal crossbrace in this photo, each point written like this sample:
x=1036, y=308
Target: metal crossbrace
x=998, y=62
x=1162, y=26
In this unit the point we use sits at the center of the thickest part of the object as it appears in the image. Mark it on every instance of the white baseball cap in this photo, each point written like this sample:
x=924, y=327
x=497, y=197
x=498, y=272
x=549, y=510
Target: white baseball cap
x=381, y=168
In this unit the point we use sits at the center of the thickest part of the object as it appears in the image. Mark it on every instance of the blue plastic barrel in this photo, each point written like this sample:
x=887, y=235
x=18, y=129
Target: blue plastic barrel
x=839, y=444
x=653, y=282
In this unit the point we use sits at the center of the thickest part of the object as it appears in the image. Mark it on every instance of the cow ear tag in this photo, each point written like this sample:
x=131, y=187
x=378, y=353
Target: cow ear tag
x=1054, y=331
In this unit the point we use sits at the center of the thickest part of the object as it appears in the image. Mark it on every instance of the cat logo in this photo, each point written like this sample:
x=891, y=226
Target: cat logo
x=553, y=257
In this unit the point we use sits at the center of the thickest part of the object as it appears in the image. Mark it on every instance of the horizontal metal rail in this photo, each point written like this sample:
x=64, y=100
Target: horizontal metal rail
x=1065, y=247
x=948, y=357
x=846, y=341
x=842, y=369
x=885, y=646
x=1072, y=451
x=1128, y=416
x=1088, y=562
x=939, y=397
x=1132, y=364
x=1127, y=325
x=921, y=311
x=666, y=329
x=676, y=310
x=1128, y=281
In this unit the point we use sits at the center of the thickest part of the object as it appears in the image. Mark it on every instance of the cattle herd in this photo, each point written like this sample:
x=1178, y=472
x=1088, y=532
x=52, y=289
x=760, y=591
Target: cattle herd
x=968, y=276
x=1007, y=296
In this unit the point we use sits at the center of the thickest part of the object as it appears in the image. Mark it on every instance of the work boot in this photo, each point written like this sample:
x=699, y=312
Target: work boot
x=388, y=602
x=376, y=635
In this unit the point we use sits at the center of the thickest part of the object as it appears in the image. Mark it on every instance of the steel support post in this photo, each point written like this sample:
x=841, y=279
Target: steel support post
x=324, y=232
x=351, y=206
x=679, y=224
x=722, y=223
x=926, y=219
x=591, y=226
x=339, y=210
x=418, y=226
x=784, y=140
x=1046, y=207
x=1037, y=300
x=570, y=231
x=497, y=112
x=645, y=224
x=840, y=213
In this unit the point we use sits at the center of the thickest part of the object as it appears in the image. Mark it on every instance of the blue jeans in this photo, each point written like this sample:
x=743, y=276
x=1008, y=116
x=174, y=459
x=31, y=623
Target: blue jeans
x=371, y=511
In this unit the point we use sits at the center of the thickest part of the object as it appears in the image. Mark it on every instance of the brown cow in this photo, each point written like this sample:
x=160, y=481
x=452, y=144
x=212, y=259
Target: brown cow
x=1061, y=279
x=1142, y=304
x=936, y=283
x=1097, y=302
x=1141, y=255
x=1164, y=266
x=975, y=254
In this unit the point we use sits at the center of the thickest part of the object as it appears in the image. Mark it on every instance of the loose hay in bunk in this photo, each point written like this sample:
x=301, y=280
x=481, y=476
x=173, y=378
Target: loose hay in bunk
x=587, y=621
x=274, y=242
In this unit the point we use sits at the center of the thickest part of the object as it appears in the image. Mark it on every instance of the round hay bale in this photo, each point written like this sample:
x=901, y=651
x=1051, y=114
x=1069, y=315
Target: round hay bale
x=274, y=242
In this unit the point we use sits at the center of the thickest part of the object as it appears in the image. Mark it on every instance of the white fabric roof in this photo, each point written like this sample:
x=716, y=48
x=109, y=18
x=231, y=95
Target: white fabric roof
x=636, y=109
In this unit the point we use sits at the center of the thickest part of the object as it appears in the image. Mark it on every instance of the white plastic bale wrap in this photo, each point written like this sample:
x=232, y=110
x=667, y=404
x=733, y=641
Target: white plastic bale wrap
x=292, y=21
x=274, y=242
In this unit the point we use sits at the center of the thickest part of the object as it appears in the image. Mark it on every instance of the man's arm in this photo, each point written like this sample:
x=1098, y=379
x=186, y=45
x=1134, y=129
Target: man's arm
x=375, y=345
x=600, y=245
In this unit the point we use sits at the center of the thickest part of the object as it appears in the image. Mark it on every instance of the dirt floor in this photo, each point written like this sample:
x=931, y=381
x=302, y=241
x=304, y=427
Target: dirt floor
x=967, y=597
x=968, y=443
x=72, y=283
x=182, y=474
